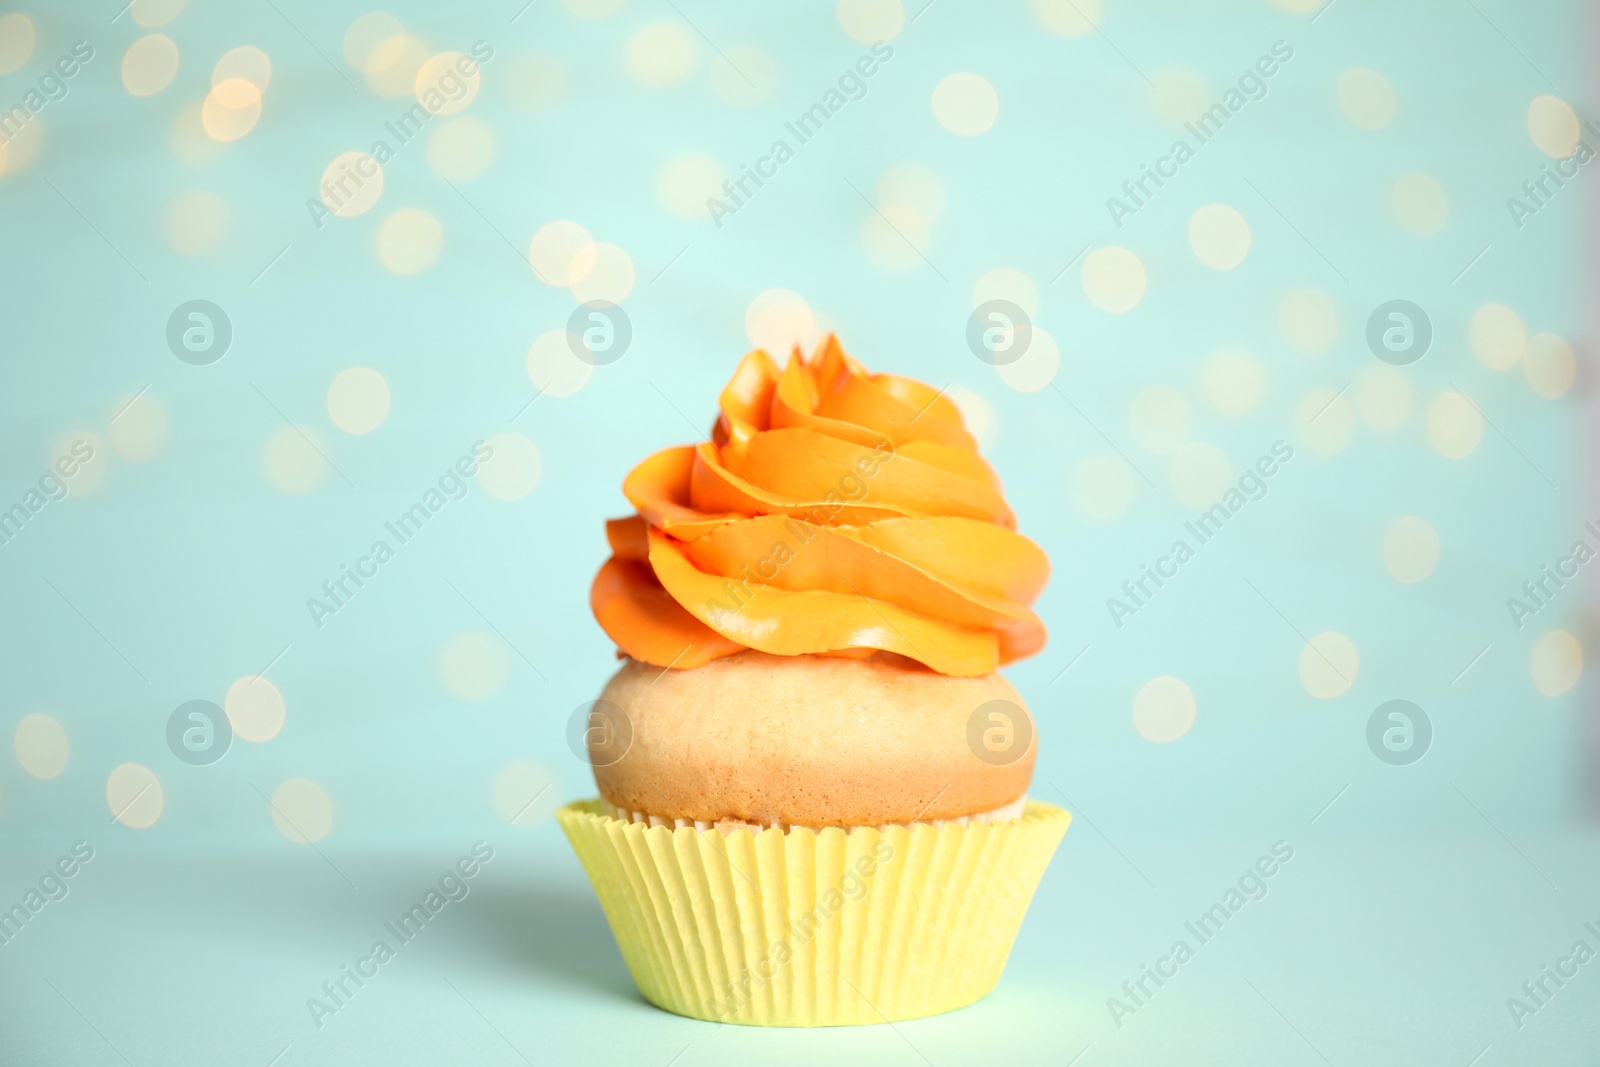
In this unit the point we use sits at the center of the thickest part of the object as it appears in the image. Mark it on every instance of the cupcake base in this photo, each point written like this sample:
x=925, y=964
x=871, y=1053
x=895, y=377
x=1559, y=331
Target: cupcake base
x=814, y=927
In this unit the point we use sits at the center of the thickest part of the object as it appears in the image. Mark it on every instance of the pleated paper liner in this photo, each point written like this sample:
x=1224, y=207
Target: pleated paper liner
x=814, y=928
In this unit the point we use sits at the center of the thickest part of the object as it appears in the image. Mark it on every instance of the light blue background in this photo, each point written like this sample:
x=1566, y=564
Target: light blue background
x=1411, y=911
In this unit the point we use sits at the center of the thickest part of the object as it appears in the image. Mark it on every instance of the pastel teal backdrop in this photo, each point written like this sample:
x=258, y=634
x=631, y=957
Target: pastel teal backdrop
x=383, y=334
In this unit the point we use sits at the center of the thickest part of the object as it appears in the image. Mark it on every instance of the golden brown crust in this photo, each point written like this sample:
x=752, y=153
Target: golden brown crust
x=812, y=741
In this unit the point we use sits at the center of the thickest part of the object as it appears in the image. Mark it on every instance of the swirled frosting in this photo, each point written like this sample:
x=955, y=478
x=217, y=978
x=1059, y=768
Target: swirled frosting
x=835, y=512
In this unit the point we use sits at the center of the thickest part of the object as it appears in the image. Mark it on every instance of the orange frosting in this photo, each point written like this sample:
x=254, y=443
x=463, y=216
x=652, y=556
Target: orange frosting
x=833, y=512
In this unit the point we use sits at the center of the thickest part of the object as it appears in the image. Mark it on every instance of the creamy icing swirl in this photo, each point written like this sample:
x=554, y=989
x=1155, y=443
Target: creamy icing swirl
x=835, y=512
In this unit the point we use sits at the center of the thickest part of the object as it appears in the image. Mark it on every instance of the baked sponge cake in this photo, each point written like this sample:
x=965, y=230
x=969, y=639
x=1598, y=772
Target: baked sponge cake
x=778, y=741
x=813, y=781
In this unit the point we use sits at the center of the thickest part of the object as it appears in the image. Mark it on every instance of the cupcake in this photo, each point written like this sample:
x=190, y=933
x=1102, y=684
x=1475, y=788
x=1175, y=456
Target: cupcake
x=813, y=782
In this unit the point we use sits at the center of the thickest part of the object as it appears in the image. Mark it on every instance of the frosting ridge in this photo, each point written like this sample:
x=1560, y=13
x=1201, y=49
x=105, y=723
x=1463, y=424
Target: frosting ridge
x=833, y=511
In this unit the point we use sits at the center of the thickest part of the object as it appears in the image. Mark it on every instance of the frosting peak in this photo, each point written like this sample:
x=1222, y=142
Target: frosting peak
x=834, y=511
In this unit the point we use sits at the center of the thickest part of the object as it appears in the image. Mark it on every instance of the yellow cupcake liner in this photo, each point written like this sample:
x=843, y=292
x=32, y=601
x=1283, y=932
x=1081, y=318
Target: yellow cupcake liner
x=814, y=927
